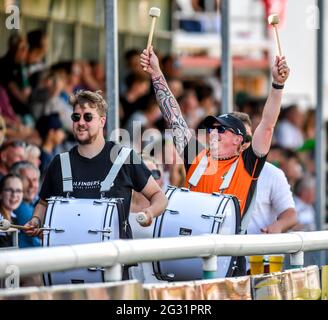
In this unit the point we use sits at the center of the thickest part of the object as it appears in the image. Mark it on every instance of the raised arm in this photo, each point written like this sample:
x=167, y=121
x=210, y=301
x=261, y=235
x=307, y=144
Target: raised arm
x=166, y=101
x=263, y=134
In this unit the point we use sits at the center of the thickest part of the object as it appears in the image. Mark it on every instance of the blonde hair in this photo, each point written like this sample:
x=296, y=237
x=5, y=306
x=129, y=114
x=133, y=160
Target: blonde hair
x=95, y=100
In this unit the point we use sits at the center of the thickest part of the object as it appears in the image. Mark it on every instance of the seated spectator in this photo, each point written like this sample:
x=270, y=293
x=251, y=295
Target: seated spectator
x=33, y=154
x=52, y=102
x=289, y=133
x=11, y=196
x=38, y=47
x=51, y=130
x=11, y=152
x=30, y=176
x=14, y=74
x=304, y=201
x=15, y=127
x=132, y=100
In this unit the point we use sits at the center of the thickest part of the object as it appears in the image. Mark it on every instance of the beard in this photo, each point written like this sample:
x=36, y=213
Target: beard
x=87, y=140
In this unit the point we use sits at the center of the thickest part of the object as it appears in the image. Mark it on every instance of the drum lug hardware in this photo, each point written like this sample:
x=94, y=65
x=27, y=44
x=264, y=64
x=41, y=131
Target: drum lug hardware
x=97, y=202
x=99, y=231
x=94, y=269
x=52, y=229
x=217, y=218
x=173, y=211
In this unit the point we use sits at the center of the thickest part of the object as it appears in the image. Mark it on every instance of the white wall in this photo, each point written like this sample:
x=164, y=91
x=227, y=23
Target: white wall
x=298, y=40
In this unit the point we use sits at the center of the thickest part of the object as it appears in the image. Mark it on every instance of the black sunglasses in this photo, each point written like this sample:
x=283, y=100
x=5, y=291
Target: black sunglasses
x=156, y=174
x=86, y=116
x=220, y=129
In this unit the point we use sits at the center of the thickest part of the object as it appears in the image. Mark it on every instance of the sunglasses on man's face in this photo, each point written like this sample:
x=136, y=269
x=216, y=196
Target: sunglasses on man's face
x=76, y=117
x=220, y=129
x=156, y=174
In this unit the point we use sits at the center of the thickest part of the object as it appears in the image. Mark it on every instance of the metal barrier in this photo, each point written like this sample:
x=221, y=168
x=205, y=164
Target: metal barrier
x=117, y=252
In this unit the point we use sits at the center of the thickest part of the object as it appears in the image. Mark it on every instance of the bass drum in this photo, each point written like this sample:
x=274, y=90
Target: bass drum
x=71, y=221
x=195, y=213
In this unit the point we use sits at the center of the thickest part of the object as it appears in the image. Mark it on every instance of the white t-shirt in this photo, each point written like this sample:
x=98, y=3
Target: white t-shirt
x=273, y=198
x=289, y=136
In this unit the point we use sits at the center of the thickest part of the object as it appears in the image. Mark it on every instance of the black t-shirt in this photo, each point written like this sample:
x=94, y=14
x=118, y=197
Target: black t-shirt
x=88, y=174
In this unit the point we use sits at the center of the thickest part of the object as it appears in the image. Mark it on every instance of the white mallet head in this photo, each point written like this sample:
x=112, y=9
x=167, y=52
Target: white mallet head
x=273, y=19
x=4, y=224
x=154, y=12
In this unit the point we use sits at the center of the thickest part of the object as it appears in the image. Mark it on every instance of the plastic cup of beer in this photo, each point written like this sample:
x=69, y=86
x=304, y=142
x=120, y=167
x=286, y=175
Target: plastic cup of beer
x=257, y=266
x=276, y=263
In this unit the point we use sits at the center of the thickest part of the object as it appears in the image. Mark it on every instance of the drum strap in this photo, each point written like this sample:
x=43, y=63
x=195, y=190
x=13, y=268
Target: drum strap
x=199, y=171
x=248, y=214
x=106, y=184
x=201, y=167
x=117, y=165
x=66, y=172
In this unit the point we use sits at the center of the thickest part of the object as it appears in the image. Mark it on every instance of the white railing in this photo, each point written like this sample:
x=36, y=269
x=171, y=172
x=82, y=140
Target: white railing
x=114, y=253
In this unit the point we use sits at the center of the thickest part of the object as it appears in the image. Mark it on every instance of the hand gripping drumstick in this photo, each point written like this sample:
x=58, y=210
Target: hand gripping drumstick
x=154, y=13
x=5, y=225
x=141, y=218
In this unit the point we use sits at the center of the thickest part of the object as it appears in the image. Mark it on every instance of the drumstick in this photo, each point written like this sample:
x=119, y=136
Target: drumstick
x=5, y=225
x=141, y=218
x=274, y=20
x=154, y=13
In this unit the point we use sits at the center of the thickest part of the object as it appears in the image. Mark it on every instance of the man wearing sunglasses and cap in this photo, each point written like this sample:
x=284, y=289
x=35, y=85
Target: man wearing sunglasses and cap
x=226, y=137
x=91, y=161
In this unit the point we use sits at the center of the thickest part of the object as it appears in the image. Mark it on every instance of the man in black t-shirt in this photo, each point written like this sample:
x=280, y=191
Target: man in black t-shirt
x=91, y=161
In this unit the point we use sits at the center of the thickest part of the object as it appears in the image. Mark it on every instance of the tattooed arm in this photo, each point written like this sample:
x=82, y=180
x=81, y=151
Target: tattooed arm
x=166, y=101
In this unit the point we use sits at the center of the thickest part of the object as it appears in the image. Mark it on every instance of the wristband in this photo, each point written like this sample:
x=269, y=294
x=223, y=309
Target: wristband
x=277, y=86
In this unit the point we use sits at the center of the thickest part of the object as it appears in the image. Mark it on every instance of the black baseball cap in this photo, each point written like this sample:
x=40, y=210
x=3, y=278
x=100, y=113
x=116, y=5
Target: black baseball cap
x=227, y=120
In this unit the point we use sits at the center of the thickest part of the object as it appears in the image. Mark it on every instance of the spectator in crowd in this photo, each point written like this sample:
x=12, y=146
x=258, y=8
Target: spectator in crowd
x=292, y=167
x=33, y=154
x=289, y=133
x=143, y=119
x=138, y=86
x=37, y=49
x=11, y=195
x=14, y=75
x=51, y=130
x=171, y=67
x=189, y=105
x=54, y=83
x=30, y=176
x=11, y=152
x=15, y=127
x=71, y=71
x=304, y=201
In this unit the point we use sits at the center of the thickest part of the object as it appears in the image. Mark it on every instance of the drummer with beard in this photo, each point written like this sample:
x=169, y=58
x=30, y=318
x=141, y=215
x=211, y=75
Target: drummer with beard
x=91, y=160
x=226, y=135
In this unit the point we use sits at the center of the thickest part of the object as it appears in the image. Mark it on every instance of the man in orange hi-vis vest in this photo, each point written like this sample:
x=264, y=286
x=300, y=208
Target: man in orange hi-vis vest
x=227, y=134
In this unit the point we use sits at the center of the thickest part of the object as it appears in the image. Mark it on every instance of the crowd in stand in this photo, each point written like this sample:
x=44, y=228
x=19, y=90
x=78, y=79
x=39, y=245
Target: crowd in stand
x=35, y=123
